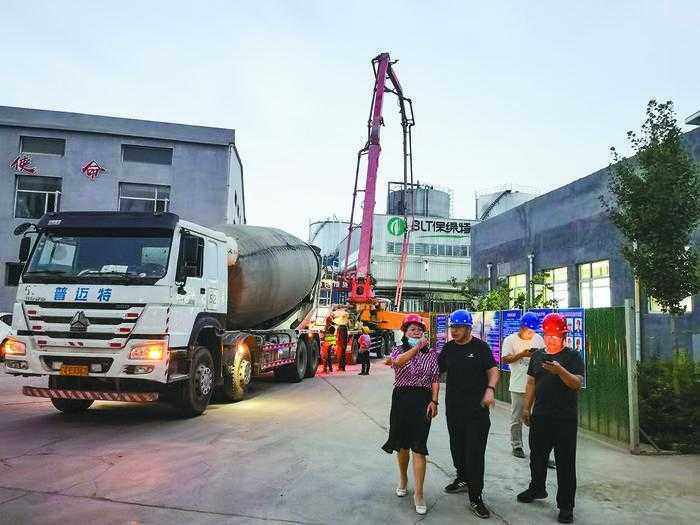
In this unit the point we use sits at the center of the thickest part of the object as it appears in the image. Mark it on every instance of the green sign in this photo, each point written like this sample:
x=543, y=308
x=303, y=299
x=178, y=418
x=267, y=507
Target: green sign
x=397, y=226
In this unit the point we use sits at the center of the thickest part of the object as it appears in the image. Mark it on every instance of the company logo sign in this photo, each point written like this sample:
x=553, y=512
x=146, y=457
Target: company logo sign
x=79, y=323
x=92, y=170
x=23, y=164
x=397, y=226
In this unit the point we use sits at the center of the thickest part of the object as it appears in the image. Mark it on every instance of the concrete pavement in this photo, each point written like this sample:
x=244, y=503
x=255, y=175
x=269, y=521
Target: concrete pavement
x=291, y=453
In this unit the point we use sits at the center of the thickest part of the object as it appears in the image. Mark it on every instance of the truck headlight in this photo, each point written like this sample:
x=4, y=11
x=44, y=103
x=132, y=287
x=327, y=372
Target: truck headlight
x=154, y=351
x=12, y=346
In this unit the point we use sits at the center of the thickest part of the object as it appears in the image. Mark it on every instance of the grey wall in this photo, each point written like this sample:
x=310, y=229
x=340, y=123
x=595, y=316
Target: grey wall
x=200, y=185
x=568, y=227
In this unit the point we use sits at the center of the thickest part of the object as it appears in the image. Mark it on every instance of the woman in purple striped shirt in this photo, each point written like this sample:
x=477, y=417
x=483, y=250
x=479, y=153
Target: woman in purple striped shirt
x=414, y=403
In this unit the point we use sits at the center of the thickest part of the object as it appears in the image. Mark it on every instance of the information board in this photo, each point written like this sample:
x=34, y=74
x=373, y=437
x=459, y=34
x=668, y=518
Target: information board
x=492, y=333
x=441, y=331
x=510, y=324
x=576, y=335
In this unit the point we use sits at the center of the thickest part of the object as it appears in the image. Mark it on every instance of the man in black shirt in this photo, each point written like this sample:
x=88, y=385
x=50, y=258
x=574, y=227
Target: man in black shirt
x=472, y=376
x=555, y=375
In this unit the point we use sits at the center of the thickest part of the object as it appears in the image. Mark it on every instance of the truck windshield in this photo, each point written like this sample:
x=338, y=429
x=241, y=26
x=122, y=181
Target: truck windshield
x=99, y=258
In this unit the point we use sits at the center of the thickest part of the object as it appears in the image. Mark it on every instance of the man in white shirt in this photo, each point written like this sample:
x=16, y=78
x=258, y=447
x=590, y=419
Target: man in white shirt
x=516, y=352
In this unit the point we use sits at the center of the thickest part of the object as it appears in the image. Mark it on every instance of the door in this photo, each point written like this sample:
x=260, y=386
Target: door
x=212, y=254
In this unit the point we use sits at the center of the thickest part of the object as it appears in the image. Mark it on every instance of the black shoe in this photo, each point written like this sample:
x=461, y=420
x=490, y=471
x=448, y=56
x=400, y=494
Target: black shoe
x=551, y=464
x=528, y=496
x=457, y=486
x=479, y=509
x=518, y=452
x=565, y=516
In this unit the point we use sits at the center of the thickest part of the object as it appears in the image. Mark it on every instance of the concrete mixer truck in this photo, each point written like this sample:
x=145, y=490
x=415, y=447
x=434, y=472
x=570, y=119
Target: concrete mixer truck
x=142, y=307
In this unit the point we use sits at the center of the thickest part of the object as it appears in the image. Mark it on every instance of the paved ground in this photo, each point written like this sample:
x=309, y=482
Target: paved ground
x=304, y=453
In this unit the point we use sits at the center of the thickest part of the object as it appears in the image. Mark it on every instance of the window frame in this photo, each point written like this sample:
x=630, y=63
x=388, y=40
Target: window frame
x=142, y=147
x=21, y=146
x=513, y=289
x=654, y=308
x=56, y=193
x=154, y=200
x=590, y=284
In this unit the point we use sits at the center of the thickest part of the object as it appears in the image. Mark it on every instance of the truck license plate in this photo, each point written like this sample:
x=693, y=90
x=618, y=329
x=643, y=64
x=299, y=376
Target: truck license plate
x=74, y=370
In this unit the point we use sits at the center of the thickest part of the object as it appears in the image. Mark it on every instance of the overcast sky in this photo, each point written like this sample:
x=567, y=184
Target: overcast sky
x=530, y=93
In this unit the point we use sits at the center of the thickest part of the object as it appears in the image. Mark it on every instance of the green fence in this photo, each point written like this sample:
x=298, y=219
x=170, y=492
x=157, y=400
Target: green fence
x=603, y=404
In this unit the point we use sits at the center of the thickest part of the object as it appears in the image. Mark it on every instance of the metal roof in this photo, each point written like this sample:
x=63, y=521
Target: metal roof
x=80, y=122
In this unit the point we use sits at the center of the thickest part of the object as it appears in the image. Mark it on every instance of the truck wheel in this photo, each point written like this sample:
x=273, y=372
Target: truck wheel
x=237, y=377
x=195, y=393
x=314, y=357
x=67, y=406
x=295, y=372
x=71, y=406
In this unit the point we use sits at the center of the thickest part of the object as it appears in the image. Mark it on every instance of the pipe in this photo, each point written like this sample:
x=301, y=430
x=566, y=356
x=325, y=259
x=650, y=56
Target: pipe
x=530, y=288
x=488, y=272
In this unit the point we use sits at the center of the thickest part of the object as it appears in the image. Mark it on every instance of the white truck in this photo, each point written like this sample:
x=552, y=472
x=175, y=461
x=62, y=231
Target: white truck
x=142, y=307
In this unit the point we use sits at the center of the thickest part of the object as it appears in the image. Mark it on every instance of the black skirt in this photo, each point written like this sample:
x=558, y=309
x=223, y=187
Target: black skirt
x=408, y=421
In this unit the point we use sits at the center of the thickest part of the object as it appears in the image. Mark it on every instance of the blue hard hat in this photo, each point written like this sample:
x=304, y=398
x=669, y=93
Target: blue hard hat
x=461, y=317
x=530, y=320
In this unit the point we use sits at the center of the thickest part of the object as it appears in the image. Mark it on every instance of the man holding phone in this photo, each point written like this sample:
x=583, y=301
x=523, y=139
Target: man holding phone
x=517, y=349
x=554, y=378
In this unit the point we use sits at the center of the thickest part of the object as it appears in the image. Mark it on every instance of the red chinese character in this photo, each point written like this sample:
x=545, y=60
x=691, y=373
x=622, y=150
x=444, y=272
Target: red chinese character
x=92, y=170
x=23, y=164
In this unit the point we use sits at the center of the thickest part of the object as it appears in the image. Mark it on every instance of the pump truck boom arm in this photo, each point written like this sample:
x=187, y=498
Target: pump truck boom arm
x=360, y=281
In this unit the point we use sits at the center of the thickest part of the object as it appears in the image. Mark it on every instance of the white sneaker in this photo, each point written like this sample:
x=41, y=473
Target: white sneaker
x=401, y=492
x=420, y=509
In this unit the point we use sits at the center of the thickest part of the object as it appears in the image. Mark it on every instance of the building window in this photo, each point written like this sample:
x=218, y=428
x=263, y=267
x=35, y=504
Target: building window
x=144, y=198
x=594, y=284
x=556, y=287
x=12, y=273
x=147, y=154
x=655, y=308
x=42, y=146
x=517, y=285
x=35, y=196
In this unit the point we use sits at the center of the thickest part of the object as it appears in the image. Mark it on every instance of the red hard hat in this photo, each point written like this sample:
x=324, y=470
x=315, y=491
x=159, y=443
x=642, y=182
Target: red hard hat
x=412, y=319
x=554, y=324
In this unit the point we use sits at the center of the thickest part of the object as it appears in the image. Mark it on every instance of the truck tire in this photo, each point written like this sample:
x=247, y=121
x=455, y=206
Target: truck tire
x=295, y=372
x=67, y=406
x=194, y=394
x=237, y=376
x=314, y=357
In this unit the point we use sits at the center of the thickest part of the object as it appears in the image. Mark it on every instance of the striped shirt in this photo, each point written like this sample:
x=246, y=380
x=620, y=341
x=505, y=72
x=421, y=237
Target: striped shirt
x=421, y=371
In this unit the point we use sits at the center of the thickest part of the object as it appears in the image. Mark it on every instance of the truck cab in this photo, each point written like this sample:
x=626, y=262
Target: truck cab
x=128, y=307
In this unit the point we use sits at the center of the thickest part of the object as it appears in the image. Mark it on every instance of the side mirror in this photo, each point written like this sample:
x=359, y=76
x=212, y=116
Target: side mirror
x=25, y=246
x=19, y=230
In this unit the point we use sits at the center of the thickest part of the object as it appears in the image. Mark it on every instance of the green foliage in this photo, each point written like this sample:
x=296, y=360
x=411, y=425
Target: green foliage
x=542, y=290
x=473, y=292
x=669, y=402
x=656, y=205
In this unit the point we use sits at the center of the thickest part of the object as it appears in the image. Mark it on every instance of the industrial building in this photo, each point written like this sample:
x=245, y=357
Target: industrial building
x=57, y=161
x=567, y=233
x=439, y=246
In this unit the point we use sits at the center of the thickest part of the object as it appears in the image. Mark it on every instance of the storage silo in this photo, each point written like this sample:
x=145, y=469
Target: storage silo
x=327, y=234
x=429, y=201
x=492, y=201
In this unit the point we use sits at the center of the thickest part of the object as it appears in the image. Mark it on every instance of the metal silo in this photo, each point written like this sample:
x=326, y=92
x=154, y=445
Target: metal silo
x=430, y=201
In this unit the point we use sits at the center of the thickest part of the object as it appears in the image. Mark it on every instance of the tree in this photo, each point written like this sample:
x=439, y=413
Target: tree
x=656, y=205
x=542, y=290
x=469, y=289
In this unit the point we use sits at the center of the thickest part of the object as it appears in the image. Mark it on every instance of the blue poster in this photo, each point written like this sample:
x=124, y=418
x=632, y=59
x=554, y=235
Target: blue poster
x=492, y=333
x=510, y=324
x=576, y=335
x=440, y=331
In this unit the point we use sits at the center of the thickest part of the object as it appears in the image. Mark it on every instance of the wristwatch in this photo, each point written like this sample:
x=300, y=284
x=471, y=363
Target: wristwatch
x=433, y=401
x=492, y=388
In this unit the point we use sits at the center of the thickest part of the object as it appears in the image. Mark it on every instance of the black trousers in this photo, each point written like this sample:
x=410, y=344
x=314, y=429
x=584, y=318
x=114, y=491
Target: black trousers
x=363, y=358
x=547, y=433
x=468, y=436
